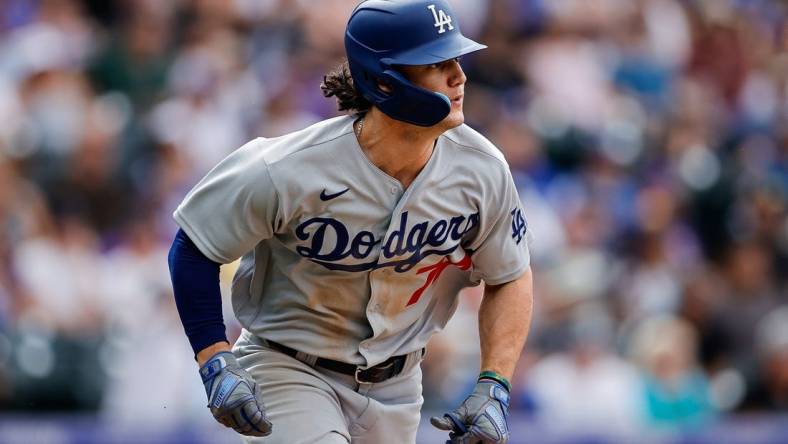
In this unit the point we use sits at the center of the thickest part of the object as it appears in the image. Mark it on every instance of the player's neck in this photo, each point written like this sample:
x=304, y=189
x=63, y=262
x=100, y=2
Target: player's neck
x=399, y=149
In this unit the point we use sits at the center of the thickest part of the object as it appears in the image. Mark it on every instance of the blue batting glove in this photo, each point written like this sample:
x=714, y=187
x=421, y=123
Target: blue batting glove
x=234, y=396
x=481, y=418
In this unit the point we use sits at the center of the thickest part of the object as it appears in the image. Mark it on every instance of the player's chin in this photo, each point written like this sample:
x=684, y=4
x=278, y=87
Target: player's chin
x=455, y=118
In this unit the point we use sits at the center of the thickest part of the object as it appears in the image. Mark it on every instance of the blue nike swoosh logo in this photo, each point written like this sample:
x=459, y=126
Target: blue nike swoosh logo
x=326, y=197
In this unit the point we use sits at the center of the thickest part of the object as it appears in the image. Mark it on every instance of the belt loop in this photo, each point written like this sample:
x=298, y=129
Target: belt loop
x=306, y=358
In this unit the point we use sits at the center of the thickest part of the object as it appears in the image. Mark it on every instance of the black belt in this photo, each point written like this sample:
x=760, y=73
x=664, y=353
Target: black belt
x=379, y=373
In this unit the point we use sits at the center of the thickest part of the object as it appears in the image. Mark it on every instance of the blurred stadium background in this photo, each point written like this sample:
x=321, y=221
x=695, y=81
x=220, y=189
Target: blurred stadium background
x=648, y=138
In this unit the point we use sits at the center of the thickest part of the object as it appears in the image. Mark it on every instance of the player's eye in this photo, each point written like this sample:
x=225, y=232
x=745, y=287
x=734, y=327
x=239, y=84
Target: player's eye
x=443, y=64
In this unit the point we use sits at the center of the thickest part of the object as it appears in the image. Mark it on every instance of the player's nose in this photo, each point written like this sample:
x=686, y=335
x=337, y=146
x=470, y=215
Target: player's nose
x=457, y=76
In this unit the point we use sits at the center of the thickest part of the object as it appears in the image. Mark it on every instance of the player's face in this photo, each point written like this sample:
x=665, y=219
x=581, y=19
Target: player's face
x=446, y=78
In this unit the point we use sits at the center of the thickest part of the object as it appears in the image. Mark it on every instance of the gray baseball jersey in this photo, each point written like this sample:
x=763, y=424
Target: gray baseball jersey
x=339, y=260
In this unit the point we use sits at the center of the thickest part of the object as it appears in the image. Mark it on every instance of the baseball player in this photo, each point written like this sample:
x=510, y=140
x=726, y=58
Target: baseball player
x=356, y=235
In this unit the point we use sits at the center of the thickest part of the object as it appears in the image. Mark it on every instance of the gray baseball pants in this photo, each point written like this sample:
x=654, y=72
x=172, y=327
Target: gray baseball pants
x=310, y=405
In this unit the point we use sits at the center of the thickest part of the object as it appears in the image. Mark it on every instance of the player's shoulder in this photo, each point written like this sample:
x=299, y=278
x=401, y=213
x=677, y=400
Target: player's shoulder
x=471, y=142
x=280, y=148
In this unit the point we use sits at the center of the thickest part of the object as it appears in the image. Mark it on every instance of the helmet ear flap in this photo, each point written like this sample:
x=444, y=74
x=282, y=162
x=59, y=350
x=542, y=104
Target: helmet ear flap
x=411, y=103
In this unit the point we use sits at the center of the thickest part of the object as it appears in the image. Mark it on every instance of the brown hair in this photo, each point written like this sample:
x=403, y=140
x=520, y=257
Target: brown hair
x=339, y=83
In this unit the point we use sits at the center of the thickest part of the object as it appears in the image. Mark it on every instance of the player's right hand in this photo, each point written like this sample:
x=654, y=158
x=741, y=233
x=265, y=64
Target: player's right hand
x=234, y=396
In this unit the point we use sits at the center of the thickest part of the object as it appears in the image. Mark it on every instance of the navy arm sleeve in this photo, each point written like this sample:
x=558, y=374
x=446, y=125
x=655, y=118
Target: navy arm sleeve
x=195, y=282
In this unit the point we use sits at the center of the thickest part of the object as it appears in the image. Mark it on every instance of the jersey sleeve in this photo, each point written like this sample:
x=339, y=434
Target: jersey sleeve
x=500, y=253
x=233, y=207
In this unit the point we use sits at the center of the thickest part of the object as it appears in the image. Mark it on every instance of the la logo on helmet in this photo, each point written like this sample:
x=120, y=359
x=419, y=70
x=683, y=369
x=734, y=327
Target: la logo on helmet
x=441, y=19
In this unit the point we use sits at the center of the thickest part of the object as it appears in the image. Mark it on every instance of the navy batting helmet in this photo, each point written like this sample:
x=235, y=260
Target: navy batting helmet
x=382, y=34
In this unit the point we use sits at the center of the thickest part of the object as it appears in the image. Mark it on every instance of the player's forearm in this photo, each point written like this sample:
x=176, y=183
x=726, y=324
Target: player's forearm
x=504, y=321
x=195, y=284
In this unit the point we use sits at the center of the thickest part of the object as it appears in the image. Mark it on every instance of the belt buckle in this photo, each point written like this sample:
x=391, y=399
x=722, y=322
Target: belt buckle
x=358, y=381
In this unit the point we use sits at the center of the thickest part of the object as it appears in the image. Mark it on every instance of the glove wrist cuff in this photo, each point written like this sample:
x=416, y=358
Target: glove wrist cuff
x=493, y=376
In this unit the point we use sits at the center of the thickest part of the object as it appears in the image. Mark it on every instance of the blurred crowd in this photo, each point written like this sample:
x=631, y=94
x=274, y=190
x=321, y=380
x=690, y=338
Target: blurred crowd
x=649, y=140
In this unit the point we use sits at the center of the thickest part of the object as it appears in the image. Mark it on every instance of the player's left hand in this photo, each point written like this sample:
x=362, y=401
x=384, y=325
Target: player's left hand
x=481, y=418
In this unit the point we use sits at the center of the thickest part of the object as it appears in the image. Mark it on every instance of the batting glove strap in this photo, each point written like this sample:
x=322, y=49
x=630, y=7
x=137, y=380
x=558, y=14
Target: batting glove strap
x=480, y=418
x=214, y=366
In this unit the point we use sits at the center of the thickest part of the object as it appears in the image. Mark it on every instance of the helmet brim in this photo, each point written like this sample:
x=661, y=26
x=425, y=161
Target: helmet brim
x=436, y=51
